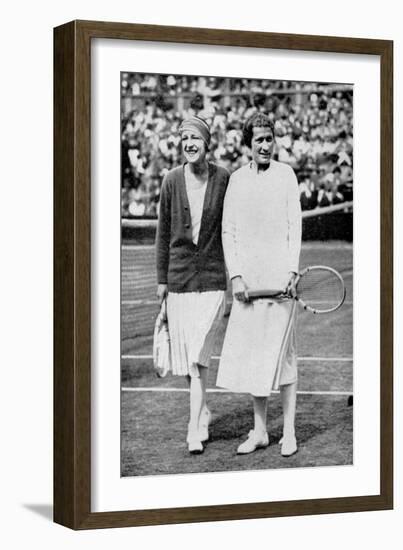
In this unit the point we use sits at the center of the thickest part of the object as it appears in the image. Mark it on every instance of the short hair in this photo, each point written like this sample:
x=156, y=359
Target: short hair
x=257, y=120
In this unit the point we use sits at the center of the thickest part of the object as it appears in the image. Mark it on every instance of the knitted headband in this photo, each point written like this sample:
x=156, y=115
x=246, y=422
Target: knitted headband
x=197, y=125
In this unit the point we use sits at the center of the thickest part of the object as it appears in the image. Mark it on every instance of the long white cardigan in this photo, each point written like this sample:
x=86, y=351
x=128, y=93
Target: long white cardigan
x=262, y=242
x=262, y=225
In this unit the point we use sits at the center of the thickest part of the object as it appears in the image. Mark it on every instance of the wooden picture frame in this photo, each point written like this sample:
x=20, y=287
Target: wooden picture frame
x=72, y=274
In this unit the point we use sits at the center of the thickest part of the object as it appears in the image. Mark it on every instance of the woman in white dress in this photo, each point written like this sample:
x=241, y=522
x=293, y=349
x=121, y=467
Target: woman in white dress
x=262, y=241
x=190, y=267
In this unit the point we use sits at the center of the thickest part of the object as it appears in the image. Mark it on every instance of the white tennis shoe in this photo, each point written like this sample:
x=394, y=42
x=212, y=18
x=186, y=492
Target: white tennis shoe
x=195, y=446
x=254, y=441
x=288, y=446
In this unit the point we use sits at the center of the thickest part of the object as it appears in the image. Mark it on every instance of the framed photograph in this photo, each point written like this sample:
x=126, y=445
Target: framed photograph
x=223, y=315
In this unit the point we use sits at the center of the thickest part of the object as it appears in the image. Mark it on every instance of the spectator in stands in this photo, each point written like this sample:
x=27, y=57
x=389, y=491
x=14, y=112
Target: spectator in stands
x=313, y=125
x=324, y=196
x=190, y=266
x=308, y=194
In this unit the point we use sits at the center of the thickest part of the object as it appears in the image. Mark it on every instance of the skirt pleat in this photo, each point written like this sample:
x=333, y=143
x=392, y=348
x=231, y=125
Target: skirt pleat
x=193, y=320
x=259, y=352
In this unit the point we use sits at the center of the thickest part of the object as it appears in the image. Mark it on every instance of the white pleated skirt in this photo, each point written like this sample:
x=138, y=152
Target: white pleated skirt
x=193, y=320
x=259, y=351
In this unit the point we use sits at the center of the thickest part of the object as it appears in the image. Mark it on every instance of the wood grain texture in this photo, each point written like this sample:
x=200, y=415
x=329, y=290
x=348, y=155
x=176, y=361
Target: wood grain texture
x=64, y=343
x=220, y=37
x=387, y=273
x=72, y=273
x=72, y=217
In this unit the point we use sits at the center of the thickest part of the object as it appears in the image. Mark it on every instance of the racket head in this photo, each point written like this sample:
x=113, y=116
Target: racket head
x=320, y=289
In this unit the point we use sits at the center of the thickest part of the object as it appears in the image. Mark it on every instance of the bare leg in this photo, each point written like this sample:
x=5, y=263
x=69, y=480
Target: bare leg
x=260, y=414
x=197, y=397
x=196, y=401
x=203, y=371
x=289, y=399
x=205, y=415
x=257, y=437
x=197, y=404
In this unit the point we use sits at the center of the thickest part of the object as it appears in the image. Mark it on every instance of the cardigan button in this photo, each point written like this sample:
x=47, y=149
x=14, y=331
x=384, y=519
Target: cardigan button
x=187, y=226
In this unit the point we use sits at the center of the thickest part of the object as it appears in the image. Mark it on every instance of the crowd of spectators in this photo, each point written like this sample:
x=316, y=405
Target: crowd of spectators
x=313, y=123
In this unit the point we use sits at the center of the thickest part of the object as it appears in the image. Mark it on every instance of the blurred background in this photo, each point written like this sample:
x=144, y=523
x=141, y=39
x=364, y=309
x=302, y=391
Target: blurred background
x=313, y=123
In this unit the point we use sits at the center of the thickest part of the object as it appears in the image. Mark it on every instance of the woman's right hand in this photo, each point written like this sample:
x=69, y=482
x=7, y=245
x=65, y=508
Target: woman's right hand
x=162, y=292
x=239, y=289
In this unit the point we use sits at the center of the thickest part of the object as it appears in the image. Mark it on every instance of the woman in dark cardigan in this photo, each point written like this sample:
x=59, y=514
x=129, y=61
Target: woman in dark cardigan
x=190, y=266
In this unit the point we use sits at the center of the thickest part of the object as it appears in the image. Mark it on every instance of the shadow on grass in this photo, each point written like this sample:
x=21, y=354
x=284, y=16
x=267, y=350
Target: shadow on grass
x=323, y=425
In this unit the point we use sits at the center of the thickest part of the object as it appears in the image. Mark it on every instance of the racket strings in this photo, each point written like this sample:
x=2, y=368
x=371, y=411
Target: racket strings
x=321, y=289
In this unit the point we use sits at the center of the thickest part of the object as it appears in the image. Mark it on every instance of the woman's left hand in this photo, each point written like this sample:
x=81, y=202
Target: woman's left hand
x=162, y=292
x=239, y=289
x=291, y=288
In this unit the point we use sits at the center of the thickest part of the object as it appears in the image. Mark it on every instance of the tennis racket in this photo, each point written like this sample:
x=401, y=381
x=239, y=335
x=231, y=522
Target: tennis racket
x=319, y=289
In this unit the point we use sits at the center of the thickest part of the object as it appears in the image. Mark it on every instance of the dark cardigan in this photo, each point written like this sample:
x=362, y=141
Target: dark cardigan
x=181, y=264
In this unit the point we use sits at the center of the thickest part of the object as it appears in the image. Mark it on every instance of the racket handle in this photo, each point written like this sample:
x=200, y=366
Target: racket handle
x=266, y=293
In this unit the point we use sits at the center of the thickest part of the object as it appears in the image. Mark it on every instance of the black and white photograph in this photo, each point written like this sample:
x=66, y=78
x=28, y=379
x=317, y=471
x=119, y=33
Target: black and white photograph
x=200, y=275
x=236, y=274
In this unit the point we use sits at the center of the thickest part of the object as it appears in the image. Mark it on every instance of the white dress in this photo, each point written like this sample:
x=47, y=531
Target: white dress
x=262, y=242
x=193, y=317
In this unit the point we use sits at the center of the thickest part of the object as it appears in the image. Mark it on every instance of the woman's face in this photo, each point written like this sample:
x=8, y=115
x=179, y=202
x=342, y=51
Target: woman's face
x=194, y=148
x=262, y=146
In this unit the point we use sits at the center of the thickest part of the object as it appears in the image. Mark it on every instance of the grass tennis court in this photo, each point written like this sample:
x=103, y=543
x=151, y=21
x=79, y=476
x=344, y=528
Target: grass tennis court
x=154, y=411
